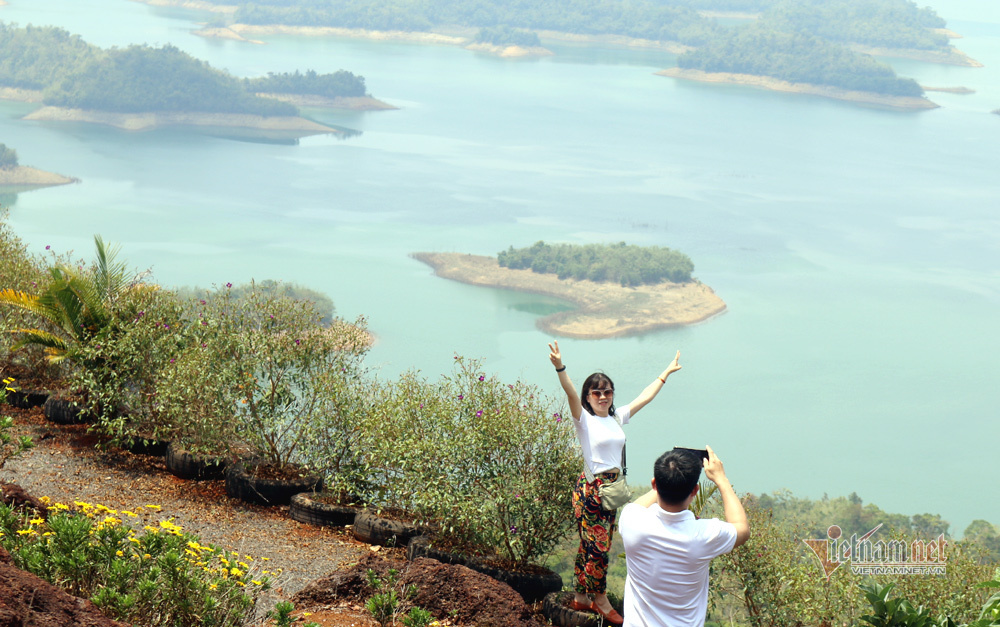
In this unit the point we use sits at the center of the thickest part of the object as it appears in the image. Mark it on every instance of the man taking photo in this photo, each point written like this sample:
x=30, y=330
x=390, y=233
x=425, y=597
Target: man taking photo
x=667, y=550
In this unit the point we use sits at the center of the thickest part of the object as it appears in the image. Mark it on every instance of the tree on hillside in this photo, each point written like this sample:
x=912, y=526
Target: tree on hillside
x=8, y=157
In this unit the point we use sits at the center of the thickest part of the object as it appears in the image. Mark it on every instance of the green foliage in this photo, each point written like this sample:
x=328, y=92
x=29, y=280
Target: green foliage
x=887, y=23
x=161, y=576
x=895, y=612
x=8, y=157
x=78, y=305
x=776, y=581
x=10, y=446
x=282, y=615
x=140, y=78
x=418, y=617
x=796, y=57
x=506, y=36
x=125, y=362
x=258, y=371
x=504, y=460
x=21, y=272
x=338, y=84
x=985, y=535
x=38, y=56
x=384, y=603
x=645, y=19
x=621, y=263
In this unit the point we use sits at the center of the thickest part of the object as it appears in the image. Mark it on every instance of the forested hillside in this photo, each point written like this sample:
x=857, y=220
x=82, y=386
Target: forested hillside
x=797, y=58
x=793, y=40
x=621, y=263
x=337, y=84
x=72, y=73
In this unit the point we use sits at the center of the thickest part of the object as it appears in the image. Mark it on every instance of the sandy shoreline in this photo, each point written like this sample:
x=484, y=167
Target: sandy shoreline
x=147, y=121
x=953, y=56
x=28, y=176
x=608, y=310
x=766, y=82
x=352, y=103
x=20, y=95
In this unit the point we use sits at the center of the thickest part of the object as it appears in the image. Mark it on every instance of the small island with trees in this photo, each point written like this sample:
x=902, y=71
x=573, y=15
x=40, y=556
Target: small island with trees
x=13, y=174
x=141, y=87
x=617, y=289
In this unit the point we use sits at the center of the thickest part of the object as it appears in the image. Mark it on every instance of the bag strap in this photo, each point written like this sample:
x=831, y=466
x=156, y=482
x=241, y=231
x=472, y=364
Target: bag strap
x=586, y=468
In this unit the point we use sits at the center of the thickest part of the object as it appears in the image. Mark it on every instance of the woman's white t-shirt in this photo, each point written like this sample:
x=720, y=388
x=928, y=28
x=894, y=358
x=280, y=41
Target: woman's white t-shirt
x=602, y=439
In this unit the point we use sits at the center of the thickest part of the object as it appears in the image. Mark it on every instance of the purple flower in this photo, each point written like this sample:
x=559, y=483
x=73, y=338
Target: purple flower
x=203, y=302
x=461, y=396
x=229, y=284
x=421, y=405
x=33, y=284
x=171, y=360
x=203, y=345
x=166, y=326
x=482, y=378
x=297, y=342
x=47, y=247
x=479, y=414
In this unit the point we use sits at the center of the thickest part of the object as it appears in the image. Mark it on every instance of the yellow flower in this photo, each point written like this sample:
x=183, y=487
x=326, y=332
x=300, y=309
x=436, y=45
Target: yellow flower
x=156, y=507
x=119, y=554
x=135, y=540
x=60, y=506
x=257, y=583
x=25, y=532
x=45, y=499
x=84, y=506
x=36, y=521
x=212, y=586
x=130, y=514
x=235, y=572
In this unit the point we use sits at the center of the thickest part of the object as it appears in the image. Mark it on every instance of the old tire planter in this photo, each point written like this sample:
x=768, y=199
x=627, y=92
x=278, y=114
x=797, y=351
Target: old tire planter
x=26, y=399
x=242, y=484
x=185, y=465
x=373, y=529
x=62, y=411
x=421, y=546
x=556, y=609
x=531, y=586
x=306, y=509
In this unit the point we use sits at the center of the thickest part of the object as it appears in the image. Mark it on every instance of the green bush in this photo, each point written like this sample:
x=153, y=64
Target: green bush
x=258, y=371
x=160, y=575
x=490, y=463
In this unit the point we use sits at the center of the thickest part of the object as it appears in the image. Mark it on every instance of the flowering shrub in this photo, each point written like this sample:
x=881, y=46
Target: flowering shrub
x=20, y=271
x=160, y=575
x=125, y=362
x=257, y=371
x=490, y=463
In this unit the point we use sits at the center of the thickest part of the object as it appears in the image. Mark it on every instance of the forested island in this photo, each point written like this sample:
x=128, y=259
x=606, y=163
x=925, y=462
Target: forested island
x=810, y=44
x=626, y=296
x=13, y=174
x=142, y=86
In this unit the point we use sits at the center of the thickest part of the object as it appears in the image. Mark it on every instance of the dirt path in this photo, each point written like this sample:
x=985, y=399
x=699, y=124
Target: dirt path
x=65, y=466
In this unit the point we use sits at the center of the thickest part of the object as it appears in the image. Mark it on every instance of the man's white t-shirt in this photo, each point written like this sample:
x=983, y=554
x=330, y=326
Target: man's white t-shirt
x=602, y=439
x=668, y=555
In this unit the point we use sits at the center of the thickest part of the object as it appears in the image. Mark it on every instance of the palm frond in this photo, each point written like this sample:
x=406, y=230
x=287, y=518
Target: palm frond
x=110, y=279
x=55, y=347
x=29, y=303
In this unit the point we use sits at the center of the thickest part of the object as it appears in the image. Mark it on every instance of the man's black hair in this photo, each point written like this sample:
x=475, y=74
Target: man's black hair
x=676, y=474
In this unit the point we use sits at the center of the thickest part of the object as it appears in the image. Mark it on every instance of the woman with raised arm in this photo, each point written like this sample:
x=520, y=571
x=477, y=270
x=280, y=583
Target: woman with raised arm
x=599, y=428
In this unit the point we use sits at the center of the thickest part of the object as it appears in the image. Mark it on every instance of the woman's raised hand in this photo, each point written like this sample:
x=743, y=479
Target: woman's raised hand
x=675, y=364
x=554, y=355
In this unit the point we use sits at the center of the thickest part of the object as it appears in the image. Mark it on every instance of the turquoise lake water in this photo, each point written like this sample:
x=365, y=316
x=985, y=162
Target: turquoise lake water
x=858, y=249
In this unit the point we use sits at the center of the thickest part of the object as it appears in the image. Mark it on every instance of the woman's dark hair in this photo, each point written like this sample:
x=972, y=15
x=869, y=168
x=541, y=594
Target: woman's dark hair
x=596, y=380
